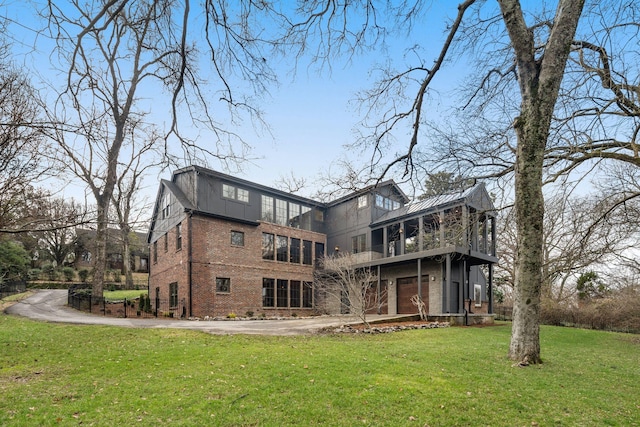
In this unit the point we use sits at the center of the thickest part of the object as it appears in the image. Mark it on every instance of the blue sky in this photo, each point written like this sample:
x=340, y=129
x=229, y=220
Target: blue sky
x=310, y=118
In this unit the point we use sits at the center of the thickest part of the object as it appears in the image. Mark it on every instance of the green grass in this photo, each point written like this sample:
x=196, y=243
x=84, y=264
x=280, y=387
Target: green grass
x=69, y=375
x=120, y=295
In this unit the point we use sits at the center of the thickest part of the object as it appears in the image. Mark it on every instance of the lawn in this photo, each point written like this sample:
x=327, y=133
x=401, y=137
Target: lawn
x=120, y=295
x=54, y=374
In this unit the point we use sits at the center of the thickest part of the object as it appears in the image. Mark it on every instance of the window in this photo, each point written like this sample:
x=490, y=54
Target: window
x=282, y=248
x=268, y=292
x=228, y=191
x=155, y=252
x=295, y=251
x=306, y=252
x=386, y=203
x=363, y=201
x=477, y=295
x=223, y=285
x=267, y=209
x=319, y=215
x=166, y=242
x=319, y=252
x=243, y=195
x=267, y=246
x=294, y=294
x=173, y=295
x=281, y=212
x=231, y=192
x=282, y=293
x=179, y=236
x=294, y=215
x=237, y=238
x=305, y=218
x=307, y=294
x=165, y=206
x=359, y=243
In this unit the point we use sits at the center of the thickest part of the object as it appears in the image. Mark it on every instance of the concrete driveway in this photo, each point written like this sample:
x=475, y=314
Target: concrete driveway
x=50, y=306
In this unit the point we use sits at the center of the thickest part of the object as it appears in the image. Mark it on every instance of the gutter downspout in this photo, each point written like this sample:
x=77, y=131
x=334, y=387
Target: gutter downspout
x=189, y=262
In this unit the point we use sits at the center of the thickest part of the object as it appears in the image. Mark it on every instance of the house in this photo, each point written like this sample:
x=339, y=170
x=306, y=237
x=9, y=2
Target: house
x=221, y=245
x=85, y=248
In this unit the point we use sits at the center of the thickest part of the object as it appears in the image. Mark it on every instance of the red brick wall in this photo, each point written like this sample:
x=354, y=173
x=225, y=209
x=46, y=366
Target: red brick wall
x=214, y=256
x=171, y=266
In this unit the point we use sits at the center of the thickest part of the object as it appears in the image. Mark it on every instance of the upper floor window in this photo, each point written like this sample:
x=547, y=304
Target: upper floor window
x=231, y=192
x=363, y=201
x=359, y=243
x=166, y=242
x=386, y=203
x=281, y=212
x=267, y=209
x=237, y=238
x=179, y=236
x=306, y=252
x=165, y=204
x=282, y=248
x=155, y=252
x=267, y=245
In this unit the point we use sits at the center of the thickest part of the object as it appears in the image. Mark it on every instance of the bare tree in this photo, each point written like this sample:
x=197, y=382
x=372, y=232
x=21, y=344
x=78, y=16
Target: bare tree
x=115, y=52
x=128, y=213
x=575, y=240
x=344, y=287
x=537, y=55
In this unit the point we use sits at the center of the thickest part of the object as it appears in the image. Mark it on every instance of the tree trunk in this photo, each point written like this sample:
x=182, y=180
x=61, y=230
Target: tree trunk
x=100, y=260
x=529, y=208
x=539, y=78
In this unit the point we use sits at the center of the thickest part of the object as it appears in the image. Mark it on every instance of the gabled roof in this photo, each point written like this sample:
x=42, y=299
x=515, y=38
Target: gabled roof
x=243, y=182
x=476, y=196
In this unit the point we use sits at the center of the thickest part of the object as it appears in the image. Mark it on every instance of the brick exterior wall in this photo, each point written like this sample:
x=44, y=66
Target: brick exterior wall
x=213, y=256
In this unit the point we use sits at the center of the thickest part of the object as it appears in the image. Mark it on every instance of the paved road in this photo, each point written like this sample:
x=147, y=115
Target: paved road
x=50, y=306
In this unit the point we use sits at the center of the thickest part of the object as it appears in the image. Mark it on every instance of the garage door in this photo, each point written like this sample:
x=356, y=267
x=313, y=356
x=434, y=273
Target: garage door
x=408, y=287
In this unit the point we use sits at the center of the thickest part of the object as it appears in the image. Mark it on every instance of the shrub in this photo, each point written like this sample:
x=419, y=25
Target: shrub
x=141, y=302
x=69, y=274
x=50, y=271
x=231, y=315
x=147, y=304
x=34, y=274
x=84, y=275
x=249, y=313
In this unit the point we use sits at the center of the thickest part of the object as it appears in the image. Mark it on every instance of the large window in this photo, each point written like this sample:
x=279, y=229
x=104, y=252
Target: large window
x=282, y=293
x=295, y=251
x=294, y=293
x=282, y=248
x=281, y=212
x=179, y=236
x=306, y=252
x=267, y=209
x=267, y=246
x=386, y=203
x=319, y=252
x=307, y=294
x=294, y=215
x=268, y=292
x=173, y=295
x=223, y=285
x=359, y=243
x=235, y=193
